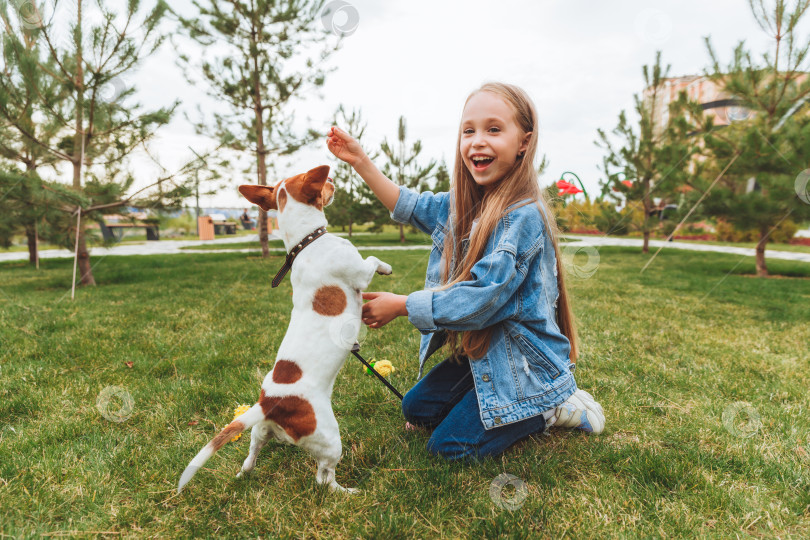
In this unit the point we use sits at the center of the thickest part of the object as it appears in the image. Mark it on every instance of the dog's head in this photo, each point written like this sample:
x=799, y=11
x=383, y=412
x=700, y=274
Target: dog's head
x=313, y=188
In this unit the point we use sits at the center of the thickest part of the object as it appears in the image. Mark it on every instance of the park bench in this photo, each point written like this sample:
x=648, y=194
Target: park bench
x=248, y=224
x=222, y=225
x=112, y=229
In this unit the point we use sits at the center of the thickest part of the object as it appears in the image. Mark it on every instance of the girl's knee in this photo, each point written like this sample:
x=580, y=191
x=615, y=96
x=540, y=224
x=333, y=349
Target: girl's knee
x=452, y=448
x=414, y=410
x=409, y=407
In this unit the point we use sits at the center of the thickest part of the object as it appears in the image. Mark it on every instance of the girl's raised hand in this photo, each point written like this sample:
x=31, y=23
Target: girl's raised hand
x=344, y=147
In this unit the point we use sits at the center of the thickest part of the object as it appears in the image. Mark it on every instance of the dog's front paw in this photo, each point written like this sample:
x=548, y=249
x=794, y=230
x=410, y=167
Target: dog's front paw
x=384, y=269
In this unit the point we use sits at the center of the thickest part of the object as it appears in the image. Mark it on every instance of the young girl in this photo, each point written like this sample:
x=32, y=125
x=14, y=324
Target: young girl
x=494, y=292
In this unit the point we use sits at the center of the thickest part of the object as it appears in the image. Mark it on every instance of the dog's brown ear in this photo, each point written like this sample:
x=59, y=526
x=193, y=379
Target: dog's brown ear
x=314, y=181
x=262, y=196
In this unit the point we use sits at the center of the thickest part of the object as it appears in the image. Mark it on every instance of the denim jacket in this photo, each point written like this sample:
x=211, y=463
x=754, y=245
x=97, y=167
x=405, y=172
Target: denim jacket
x=526, y=369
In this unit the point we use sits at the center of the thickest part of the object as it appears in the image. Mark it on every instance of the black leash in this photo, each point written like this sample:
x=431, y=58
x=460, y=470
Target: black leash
x=355, y=348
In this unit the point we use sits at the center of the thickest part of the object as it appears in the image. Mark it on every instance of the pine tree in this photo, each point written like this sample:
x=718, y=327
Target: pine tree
x=36, y=207
x=402, y=166
x=26, y=209
x=262, y=63
x=648, y=155
x=767, y=144
x=98, y=130
x=442, y=178
x=372, y=210
x=351, y=204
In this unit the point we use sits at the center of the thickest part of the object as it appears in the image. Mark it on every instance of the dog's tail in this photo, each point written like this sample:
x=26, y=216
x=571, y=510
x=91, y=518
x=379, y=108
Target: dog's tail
x=246, y=420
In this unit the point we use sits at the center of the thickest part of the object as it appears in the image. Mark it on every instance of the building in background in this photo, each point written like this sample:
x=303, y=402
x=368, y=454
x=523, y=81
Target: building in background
x=715, y=102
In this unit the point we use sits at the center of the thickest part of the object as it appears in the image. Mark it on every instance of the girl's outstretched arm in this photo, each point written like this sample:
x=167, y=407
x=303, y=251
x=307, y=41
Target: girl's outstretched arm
x=345, y=148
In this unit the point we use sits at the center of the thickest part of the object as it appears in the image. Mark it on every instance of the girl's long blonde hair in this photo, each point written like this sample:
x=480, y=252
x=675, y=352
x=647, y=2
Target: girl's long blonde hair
x=471, y=201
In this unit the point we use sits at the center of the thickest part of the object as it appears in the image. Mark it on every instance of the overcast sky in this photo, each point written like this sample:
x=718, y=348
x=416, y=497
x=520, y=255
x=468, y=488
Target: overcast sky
x=579, y=60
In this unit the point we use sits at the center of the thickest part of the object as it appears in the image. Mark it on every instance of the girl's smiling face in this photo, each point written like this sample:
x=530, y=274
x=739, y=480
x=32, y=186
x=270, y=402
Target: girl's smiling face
x=491, y=140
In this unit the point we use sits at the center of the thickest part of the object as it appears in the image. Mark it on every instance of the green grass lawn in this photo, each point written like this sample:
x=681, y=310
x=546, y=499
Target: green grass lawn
x=666, y=352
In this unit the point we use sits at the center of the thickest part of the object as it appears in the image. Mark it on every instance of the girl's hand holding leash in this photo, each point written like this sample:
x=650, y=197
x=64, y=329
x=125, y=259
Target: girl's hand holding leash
x=382, y=308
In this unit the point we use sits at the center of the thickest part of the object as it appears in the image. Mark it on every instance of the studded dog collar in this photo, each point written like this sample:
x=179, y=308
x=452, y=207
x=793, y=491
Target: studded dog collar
x=308, y=239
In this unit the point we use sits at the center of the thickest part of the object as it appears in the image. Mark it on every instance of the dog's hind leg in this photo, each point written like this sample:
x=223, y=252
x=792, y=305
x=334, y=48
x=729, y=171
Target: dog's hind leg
x=326, y=474
x=326, y=448
x=259, y=436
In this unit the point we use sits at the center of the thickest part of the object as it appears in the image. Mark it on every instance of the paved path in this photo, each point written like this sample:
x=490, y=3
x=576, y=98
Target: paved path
x=655, y=244
x=172, y=247
x=162, y=247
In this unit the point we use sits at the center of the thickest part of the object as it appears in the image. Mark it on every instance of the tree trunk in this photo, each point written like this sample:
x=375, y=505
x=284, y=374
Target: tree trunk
x=263, y=233
x=762, y=269
x=258, y=110
x=350, y=229
x=85, y=270
x=646, y=203
x=31, y=230
x=31, y=235
x=402, y=233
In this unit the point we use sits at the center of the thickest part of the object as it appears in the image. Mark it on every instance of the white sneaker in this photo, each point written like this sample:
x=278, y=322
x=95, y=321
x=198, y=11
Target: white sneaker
x=579, y=411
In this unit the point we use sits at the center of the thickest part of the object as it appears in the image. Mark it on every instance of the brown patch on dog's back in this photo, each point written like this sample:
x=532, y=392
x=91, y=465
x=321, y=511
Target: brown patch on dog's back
x=329, y=300
x=231, y=430
x=294, y=414
x=282, y=200
x=286, y=372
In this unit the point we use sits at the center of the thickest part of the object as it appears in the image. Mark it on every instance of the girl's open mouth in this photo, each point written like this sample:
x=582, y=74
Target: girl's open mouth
x=481, y=162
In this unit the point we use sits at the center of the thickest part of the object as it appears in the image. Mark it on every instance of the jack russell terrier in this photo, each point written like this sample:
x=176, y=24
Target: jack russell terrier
x=295, y=405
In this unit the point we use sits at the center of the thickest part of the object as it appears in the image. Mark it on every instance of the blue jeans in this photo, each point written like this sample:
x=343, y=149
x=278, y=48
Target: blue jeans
x=445, y=399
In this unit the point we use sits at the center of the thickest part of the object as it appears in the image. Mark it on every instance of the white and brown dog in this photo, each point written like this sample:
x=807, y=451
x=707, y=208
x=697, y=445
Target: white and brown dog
x=328, y=277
